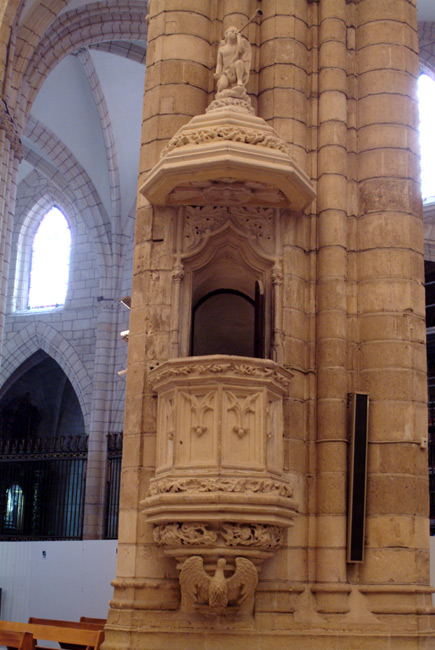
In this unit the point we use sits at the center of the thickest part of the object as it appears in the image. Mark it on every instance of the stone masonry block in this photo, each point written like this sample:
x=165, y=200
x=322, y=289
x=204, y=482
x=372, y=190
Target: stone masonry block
x=387, y=56
x=391, y=136
x=387, y=81
x=394, y=163
x=387, y=31
x=385, y=109
x=370, y=11
x=385, y=227
x=392, y=295
x=331, y=191
x=388, y=565
x=389, y=263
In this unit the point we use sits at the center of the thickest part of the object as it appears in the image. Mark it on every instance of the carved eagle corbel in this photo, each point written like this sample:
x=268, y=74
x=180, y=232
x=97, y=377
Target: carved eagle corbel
x=197, y=587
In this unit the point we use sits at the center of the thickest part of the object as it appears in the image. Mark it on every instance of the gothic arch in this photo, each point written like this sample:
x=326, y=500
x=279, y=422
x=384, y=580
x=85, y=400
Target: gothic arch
x=426, y=37
x=66, y=35
x=78, y=179
x=36, y=336
x=30, y=214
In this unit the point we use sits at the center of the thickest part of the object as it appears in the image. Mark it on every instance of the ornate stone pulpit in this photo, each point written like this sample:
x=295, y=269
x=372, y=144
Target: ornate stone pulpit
x=220, y=489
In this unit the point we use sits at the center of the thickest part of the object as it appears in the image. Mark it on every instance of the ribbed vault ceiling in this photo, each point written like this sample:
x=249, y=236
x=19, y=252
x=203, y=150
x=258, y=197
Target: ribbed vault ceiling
x=84, y=84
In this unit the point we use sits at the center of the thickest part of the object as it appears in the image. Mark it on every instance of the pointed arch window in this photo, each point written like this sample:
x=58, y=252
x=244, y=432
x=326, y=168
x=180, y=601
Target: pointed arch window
x=49, y=270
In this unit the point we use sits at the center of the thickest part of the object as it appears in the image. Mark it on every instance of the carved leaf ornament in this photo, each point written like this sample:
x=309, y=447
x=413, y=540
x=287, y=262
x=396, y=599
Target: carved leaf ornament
x=241, y=407
x=199, y=407
x=253, y=535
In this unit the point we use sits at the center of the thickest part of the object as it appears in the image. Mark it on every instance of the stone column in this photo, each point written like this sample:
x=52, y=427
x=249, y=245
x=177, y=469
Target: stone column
x=331, y=324
x=104, y=376
x=234, y=13
x=392, y=359
x=283, y=76
x=11, y=153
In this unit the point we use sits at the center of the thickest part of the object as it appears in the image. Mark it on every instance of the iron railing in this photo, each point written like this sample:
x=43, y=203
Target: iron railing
x=114, y=455
x=42, y=487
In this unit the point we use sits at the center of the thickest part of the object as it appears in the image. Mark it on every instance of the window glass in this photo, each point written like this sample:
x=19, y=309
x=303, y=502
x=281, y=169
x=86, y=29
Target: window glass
x=14, y=508
x=50, y=262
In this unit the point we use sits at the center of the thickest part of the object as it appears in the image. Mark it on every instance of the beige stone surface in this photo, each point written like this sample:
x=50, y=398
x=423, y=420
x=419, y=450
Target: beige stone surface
x=345, y=306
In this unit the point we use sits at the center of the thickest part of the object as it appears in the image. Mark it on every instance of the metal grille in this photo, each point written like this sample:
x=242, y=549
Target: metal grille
x=42, y=487
x=114, y=455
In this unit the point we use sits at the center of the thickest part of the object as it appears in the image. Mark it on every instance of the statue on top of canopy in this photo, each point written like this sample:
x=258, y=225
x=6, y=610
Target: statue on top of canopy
x=232, y=72
x=233, y=60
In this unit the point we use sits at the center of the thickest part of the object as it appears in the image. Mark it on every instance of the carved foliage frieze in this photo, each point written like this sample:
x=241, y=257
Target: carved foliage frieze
x=221, y=484
x=233, y=535
x=184, y=534
x=219, y=133
x=220, y=369
x=252, y=535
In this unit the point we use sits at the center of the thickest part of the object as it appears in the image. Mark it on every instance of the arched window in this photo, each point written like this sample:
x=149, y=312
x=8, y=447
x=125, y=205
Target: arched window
x=49, y=269
x=426, y=100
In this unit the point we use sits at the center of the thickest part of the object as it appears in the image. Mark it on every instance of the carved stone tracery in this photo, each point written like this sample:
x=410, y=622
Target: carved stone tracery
x=255, y=223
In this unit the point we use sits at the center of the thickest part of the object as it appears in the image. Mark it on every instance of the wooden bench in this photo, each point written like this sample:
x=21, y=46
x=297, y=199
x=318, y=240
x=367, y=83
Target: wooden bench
x=89, y=619
x=19, y=640
x=67, y=634
x=81, y=625
x=93, y=624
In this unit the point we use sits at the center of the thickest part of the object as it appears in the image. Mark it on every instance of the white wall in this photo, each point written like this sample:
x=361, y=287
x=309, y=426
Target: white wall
x=72, y=580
